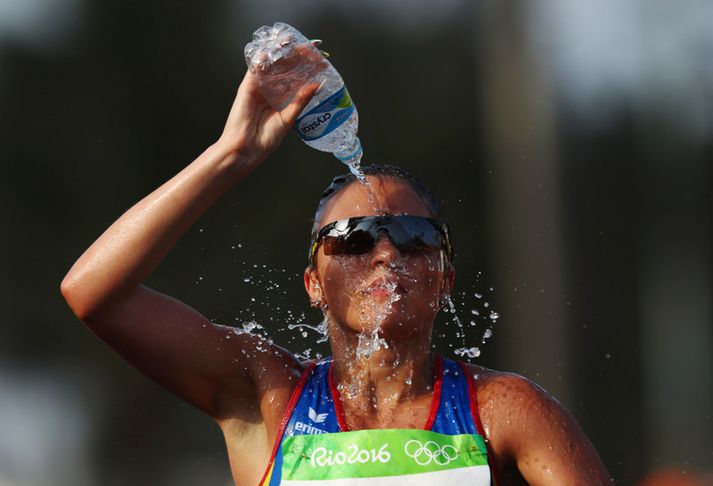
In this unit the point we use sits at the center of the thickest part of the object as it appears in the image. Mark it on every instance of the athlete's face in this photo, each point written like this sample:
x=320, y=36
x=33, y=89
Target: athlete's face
x=398, y=292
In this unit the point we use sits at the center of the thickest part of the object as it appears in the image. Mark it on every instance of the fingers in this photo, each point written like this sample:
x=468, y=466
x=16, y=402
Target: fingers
x=291, y=111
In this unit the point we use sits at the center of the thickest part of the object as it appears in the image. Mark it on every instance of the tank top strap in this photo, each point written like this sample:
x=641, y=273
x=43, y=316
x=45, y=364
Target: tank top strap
x=296, y=393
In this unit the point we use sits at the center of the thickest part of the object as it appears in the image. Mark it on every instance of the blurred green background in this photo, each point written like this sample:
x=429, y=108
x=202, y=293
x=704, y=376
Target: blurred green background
x=569, y=142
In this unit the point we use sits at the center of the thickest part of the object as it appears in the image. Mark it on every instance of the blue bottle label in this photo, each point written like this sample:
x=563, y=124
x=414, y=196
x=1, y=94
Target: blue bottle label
x=325, y=117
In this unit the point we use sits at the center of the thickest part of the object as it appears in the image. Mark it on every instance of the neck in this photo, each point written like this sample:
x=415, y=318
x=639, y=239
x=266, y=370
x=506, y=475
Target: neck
x=375, y=374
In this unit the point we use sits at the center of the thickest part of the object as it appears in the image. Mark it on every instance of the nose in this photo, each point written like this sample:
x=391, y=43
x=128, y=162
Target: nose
x=384, y=252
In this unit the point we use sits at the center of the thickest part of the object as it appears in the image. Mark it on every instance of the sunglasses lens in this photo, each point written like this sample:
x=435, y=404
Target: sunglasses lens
x=357, y=236
x=411, y=233
x=356, y=242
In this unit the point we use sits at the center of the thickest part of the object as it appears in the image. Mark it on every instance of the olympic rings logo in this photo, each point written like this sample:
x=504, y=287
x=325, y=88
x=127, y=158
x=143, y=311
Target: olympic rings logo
x=424, y=454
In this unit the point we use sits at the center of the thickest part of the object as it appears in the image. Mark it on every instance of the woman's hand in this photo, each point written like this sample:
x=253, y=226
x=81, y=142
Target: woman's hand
x=254, y=129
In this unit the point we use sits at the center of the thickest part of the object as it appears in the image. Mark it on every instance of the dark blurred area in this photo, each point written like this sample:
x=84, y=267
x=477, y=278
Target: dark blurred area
x=570, y=145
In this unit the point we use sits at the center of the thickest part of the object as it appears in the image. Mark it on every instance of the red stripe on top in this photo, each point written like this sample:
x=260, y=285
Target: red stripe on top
x=435, y=400
x=338, y=410
x=475, y=412
x=286, y=416
x=437, y=387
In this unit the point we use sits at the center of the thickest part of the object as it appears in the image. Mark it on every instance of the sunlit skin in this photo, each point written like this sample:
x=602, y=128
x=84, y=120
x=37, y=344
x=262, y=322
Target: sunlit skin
x=244, y=382
x=351, y=283
x=351, y=288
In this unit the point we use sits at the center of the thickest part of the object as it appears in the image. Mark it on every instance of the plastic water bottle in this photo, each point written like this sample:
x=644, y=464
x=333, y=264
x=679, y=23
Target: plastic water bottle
x=284, y=60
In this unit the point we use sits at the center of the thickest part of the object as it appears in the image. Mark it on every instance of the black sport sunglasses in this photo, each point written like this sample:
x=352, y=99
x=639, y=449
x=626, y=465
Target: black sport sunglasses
x=356, y=236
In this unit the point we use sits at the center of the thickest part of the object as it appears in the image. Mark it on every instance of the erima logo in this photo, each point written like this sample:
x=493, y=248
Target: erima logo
x=317, y=419
x=314, y=418
x=307, y=428
x=316, y=123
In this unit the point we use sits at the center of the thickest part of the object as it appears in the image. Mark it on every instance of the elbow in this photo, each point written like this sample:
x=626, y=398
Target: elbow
x=74, y=294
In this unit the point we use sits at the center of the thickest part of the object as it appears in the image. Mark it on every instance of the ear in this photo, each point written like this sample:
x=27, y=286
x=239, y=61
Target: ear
x=312, y=286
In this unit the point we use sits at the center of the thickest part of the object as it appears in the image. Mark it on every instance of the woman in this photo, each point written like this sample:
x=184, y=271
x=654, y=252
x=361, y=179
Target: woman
x=384, y=407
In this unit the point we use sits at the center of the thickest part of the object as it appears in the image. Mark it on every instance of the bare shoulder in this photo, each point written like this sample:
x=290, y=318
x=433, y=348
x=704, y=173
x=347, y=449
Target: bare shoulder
x=250, y=422
x=504, y=400
x=272, y=372
x=506, y=389
x=531, y=434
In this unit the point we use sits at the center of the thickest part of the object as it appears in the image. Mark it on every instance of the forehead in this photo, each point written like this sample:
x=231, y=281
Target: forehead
x=391, y=195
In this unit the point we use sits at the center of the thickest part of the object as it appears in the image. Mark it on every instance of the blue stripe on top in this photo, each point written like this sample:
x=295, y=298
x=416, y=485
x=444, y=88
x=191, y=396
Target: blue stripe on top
x=314, y=412
x=454, y=416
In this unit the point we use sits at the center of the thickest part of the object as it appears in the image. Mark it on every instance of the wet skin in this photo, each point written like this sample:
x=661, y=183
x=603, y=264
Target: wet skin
x=386, y=295
x=355, y=287
x=245, y=382
x=530, y=435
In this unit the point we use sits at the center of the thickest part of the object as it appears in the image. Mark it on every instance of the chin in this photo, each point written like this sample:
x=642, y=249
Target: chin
x=392, y=318
x=397, y=326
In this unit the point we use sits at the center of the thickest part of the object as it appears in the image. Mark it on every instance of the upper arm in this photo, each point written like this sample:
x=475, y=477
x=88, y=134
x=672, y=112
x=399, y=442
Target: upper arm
x=537, y=434
x=220, y=371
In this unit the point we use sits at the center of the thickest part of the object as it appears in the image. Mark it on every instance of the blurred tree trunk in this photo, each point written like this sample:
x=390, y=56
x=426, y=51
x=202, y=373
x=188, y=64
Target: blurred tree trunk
x=675, y=285
x=523, y=195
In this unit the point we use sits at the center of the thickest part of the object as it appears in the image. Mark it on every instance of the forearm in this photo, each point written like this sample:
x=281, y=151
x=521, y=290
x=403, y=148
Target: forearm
x=131, y=248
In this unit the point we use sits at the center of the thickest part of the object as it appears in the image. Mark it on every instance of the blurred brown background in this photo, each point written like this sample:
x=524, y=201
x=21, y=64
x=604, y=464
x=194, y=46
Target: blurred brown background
x=570, y=143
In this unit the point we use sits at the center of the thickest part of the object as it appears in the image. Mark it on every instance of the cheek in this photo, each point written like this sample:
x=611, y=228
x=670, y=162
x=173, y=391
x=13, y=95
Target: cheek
x=426, y=270
x=343, y=276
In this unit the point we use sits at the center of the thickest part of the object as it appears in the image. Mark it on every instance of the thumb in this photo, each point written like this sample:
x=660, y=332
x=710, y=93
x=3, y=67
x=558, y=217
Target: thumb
x=304, y=95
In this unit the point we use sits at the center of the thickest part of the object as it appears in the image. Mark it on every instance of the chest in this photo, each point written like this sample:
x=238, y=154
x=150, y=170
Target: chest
x=414, y=414
x=317, y=407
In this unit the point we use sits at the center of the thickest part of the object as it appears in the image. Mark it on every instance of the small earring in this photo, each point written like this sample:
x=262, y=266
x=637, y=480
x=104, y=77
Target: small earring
x=316, y=303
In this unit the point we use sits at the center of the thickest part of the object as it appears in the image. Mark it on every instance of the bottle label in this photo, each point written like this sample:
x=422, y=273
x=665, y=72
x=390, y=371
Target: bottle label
x=325, y=117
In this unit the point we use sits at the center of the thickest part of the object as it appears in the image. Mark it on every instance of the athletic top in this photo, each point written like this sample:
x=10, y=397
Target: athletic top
x=314, y=442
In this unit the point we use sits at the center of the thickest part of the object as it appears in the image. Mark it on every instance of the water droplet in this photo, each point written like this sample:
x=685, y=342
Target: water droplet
x=473, y=352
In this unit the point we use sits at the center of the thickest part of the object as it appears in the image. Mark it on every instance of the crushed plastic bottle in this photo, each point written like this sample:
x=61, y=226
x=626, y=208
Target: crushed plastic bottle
x=284, y=60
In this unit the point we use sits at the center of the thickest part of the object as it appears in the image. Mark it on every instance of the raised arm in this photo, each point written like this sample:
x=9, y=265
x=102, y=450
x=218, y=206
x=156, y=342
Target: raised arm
x=533, y=437
x=208, y=365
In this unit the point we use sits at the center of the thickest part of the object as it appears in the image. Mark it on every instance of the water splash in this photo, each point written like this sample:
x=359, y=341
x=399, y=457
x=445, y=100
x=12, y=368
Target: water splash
x=266, y=291
x=465, y=352
x=368, y=343
x=481, y=316
x=454, y=316
x=248, y=328
x=320, y=329
x=355, y=168
x=373, y=314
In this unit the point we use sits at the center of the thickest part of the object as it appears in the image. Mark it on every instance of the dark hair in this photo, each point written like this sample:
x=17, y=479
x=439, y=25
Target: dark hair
x=342, y=181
